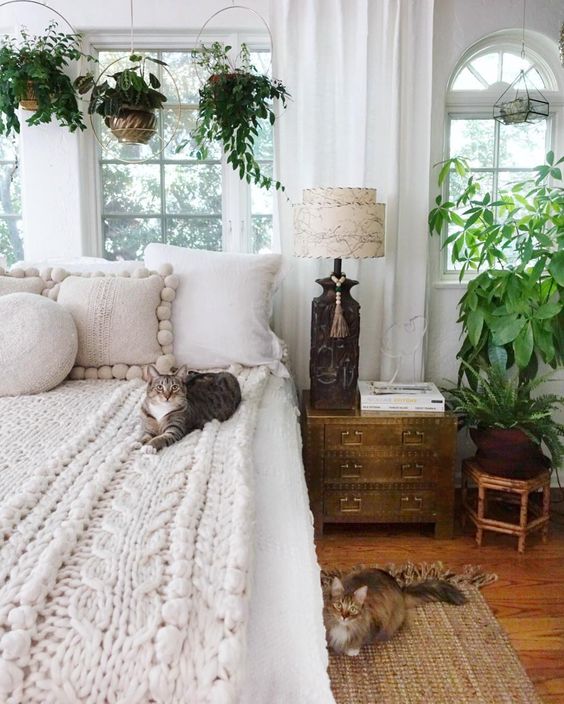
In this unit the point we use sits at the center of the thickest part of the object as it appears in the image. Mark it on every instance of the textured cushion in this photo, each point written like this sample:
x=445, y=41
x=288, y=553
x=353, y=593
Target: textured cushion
x=123, y=322
x=223, y=307
x=21, y=281
x=38, y=344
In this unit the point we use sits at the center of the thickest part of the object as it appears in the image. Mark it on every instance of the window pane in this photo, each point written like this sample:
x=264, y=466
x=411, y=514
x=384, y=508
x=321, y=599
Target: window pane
x=534, y=78
x=131, y=188
x=488, y=67
x=511, y=65
x=522, y=145
x=8, y=149
x=466, y=81
x=193, y=188
x=261, y=234
x=473, y=139
x=185, y=76
x=507, y=179
x=195, y=232
x=126, y=238
x=10, y=200
x=11, y=239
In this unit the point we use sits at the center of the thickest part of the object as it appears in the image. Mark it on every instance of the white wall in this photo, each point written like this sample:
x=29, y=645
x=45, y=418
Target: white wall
x=458, y=25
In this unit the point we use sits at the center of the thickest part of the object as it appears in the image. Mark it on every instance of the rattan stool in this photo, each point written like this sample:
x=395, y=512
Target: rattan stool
x=522, y=488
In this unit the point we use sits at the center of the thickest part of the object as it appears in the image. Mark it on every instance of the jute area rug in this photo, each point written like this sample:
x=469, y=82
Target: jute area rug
x=443, y=655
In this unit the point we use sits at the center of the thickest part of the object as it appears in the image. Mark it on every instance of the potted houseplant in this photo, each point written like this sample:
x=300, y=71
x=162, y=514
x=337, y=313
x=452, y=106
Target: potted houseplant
x=32, y=76
x=127, y=100
x=232, y=103
x=507, y=424
x=515, y=243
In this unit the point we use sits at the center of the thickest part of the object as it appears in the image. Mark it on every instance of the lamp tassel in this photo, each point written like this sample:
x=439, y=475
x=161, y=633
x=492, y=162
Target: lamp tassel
x=339, y=327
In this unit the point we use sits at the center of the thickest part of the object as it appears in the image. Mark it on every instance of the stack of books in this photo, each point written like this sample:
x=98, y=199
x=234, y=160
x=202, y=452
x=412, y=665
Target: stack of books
x=383, y=396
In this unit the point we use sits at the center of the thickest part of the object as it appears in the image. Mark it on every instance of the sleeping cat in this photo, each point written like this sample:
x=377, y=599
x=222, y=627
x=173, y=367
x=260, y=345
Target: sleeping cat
x=369, y=605
x=184, y=401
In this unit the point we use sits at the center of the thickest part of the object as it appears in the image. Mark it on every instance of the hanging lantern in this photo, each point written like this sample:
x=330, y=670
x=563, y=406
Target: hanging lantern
x=561, y=44
x=520, y=103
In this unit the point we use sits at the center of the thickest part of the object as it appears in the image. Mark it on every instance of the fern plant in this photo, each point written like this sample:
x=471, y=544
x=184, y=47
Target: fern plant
x=495, y=400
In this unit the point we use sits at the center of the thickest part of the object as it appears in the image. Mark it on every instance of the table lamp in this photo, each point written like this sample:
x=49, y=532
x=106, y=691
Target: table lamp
x=337, y=223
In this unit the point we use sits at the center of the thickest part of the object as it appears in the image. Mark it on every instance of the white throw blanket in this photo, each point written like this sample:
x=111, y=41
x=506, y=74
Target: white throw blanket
x=123, y=576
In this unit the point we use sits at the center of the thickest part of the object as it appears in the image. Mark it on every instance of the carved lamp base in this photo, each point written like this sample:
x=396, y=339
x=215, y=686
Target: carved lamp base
x=333, y=365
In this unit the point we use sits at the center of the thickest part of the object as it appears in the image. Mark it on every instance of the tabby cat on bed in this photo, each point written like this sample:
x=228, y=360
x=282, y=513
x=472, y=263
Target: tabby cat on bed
x=369, y=605
x=178, y=403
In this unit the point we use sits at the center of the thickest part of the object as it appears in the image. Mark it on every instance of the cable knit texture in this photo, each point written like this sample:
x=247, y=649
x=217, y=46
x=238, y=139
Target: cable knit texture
x=123, y=321
x=123, y=576
x=38, y=344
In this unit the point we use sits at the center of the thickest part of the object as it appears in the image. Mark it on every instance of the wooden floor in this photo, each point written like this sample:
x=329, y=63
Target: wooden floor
x=528, y=598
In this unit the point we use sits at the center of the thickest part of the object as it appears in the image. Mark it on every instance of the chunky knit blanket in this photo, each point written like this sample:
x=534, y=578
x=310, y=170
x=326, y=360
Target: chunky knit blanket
x=123, y=575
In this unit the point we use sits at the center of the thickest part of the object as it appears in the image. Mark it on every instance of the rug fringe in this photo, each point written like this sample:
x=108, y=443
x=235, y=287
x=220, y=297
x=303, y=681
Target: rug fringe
x=412, y=573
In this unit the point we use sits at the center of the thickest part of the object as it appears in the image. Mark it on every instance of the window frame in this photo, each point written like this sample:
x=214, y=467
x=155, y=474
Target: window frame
x=476, y=104
x=236, y=215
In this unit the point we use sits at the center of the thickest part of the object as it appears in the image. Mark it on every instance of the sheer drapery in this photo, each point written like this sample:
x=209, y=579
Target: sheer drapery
x=359, y=72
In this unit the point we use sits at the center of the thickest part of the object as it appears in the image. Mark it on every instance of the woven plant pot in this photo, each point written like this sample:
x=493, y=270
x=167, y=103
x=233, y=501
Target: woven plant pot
x=508, y=453
x=133, y=126
x=30, y=100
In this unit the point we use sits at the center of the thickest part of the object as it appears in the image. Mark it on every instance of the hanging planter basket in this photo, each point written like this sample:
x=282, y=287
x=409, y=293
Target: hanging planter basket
x=519, y=103
x=30, y=101
x=133, y=126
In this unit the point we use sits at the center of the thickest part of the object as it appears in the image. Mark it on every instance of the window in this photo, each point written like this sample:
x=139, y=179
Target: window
x=171, y=197
x=11, y=239
x=499, y=155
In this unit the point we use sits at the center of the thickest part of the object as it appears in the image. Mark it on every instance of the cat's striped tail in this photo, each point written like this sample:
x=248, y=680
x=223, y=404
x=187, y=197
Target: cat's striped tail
x=432, y=590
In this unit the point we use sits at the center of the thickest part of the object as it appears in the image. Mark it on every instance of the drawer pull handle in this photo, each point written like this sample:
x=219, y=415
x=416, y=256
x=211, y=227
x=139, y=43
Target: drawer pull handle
x=348, y=473
x=411, y=471
x=357, y=438
x=412, y=437
x=406, y=503
x=346, y=508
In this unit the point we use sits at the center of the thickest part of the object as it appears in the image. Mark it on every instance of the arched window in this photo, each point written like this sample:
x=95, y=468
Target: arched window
x=501, y=154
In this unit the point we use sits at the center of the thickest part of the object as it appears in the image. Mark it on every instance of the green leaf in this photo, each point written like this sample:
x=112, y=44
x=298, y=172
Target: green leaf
x=507, y=330
x=523, y=346
x=475, y=324
x=547, y=311
x=556, y=267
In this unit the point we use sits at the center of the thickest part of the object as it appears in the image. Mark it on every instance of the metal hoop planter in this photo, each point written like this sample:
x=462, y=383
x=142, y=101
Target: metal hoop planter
x=129, y=127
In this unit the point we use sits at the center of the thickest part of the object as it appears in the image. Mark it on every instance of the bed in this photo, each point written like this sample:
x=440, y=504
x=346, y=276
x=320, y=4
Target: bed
x=189, y=576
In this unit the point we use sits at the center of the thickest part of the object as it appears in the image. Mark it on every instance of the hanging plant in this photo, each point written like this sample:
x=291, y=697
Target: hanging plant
x=233, y=102
x=127, y=100
x=32, y=76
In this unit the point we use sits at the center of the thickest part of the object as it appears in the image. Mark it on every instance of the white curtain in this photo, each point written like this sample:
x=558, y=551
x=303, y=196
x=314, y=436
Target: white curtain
x=359, y=72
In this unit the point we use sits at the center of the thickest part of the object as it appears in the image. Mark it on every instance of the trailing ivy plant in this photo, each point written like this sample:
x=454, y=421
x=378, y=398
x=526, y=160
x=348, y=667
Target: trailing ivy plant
x=515, y=243
x=33, y=67
x=233, y=102
x=135, y=87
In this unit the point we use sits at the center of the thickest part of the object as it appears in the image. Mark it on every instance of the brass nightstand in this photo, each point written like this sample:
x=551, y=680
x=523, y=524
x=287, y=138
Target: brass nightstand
x=380, y=467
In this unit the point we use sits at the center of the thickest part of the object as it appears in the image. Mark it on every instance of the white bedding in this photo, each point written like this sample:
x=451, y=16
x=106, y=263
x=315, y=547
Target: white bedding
x=286, y=657
x=286, y=653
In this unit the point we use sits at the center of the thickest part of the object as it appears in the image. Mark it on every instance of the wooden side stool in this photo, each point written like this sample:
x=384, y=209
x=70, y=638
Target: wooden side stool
x=472, y=474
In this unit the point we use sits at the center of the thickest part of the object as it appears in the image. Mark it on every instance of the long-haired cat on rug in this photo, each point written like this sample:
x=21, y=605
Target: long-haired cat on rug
x=178, y=403
x=369, y=605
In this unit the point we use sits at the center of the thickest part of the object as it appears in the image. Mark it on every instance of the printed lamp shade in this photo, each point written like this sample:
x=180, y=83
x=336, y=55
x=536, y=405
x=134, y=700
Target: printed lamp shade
x=339, y=223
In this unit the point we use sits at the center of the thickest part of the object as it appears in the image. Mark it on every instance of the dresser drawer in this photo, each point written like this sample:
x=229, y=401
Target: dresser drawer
x=388, y=505
x=362, y=468
x=400, y=434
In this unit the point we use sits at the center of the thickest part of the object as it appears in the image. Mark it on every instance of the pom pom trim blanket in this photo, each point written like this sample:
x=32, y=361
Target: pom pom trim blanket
x=123, y=576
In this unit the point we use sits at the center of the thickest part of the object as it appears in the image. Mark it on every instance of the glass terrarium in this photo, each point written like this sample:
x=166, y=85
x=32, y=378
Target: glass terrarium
x=519, y=103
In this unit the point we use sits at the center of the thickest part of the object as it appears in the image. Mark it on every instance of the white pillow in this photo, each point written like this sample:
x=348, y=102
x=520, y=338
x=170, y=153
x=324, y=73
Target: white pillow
x=78, y=265
x=123, y=321
x=223, y=306
x=38, y=344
